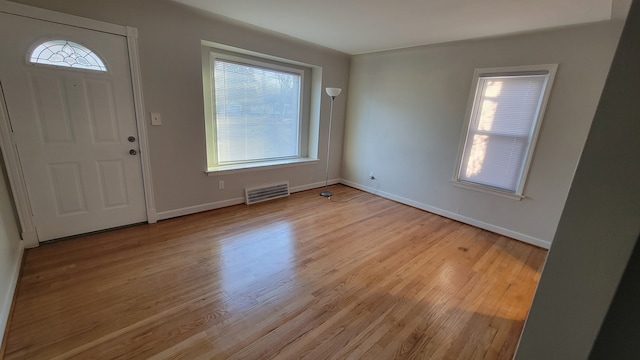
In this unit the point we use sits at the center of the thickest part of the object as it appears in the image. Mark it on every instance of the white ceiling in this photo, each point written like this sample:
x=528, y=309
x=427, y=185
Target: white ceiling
x=362, y=26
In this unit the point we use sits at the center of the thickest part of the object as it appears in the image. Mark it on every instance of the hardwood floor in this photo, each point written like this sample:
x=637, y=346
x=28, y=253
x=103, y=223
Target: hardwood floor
x=300, y=277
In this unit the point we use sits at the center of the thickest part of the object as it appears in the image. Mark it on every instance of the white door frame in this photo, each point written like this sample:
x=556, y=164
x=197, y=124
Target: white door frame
x=9, y=152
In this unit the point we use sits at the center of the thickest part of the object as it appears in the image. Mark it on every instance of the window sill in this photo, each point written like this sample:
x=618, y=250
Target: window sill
x=264, y=165
x=488, y=190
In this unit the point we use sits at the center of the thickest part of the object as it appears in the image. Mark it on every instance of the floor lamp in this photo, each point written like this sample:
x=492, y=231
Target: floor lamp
x=332, y=92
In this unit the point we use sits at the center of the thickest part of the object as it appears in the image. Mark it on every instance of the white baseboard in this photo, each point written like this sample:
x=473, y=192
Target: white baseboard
x=317, y=185
x=152, y=216
x=8, y=297
x=451, y=215
x=30, y=239
x=163, y=215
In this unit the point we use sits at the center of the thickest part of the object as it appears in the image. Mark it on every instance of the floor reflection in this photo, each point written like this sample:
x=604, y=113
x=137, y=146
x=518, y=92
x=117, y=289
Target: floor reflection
x=256, y=258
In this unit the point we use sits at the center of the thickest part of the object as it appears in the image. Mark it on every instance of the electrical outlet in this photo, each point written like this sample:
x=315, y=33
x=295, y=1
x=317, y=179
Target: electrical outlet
x=221, y=185
x=371, y=177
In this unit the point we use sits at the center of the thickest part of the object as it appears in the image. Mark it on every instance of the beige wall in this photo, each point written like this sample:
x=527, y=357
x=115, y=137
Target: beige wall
x=406, y=112
x=10, y=249
x=169, y=42
x=599, y=226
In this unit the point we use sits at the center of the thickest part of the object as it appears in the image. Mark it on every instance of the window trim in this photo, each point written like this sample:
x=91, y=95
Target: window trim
x=307, y=122
x=518, y=194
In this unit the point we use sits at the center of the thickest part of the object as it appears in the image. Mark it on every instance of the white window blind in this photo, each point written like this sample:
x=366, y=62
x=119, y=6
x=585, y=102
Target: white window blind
x=502, y=125
x=257, y=112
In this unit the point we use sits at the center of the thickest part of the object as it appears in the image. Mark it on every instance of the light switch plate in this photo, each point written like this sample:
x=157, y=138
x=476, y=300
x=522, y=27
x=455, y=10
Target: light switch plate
x=155, y=119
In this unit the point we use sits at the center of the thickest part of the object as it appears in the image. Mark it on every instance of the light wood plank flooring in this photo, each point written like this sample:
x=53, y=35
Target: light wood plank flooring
x=300, y=277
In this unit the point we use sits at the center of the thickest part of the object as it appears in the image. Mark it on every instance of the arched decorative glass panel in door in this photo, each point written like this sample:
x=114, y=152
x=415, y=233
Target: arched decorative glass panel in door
x=66, y=54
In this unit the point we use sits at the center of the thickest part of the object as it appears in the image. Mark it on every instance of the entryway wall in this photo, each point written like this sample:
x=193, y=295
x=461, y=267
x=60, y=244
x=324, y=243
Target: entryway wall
x=11, y=138
x=170, y=36
x=11, y=249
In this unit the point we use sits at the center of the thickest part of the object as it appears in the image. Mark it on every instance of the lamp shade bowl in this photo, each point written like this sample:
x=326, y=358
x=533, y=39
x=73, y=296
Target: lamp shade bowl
x=333, y=92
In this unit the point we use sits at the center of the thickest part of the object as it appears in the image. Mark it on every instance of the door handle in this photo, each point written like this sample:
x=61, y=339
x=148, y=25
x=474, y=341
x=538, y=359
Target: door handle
x=132, y=152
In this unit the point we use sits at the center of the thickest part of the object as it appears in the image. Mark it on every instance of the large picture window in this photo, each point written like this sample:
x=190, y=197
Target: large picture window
x=503, y=122
x=256, y=109
x=257, y=112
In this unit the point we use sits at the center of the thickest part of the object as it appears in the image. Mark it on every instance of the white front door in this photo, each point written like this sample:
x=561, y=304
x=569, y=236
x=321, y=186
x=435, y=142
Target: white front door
x=74, y=129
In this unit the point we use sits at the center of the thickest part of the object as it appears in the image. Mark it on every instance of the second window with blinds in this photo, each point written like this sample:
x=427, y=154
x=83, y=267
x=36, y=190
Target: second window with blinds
x=257, y=113
x=504, y=115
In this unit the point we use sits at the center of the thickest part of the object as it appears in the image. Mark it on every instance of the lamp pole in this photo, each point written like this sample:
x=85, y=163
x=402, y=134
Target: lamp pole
x=332, y=92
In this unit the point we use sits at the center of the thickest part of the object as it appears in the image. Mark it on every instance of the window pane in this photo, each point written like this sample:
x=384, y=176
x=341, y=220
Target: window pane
x=257, y=112
x=66, y=54
x=494, y=161
x=500, y=129
x=508, y=105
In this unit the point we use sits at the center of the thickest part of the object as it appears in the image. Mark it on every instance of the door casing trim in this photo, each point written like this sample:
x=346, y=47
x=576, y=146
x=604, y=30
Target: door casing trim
x=7, y=143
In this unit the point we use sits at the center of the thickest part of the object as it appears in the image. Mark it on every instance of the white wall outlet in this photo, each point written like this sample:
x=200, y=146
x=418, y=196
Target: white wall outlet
x=155, y=119
x=371, y=177
x=221, y=185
